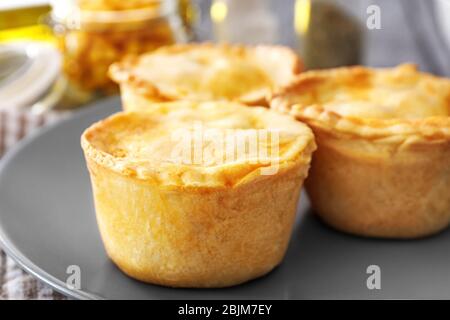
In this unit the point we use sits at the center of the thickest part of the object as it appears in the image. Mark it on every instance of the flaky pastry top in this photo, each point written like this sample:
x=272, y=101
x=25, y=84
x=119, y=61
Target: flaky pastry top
x=196, y=144
x=399, y=103
x=202, y=72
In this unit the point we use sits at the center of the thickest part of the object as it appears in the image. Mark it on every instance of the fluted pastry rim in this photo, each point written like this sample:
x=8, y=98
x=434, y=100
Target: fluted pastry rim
x=172, y=175
x=124, y=72
x=398, y=131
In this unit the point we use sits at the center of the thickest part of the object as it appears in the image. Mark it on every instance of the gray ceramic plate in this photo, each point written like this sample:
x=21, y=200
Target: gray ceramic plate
x=47, y=223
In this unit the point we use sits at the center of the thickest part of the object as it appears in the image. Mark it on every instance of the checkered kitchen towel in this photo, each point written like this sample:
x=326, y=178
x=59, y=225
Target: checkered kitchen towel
x=14, y=282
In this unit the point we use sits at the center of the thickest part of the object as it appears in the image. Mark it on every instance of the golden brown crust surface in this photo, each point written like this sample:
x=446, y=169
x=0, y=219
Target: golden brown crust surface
x=185, y=239
x=399, y=104
x=194, y=225
x=382, y=167
x=142, y=144
x=207, y=71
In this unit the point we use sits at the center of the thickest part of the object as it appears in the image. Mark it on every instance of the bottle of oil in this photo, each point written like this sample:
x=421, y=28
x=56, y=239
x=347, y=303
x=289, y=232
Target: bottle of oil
x=24, y=23
x=326, y=35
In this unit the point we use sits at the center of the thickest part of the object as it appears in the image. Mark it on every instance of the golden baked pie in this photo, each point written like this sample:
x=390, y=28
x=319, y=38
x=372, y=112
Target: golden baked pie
x=382, y=167
x=181, y=202
x=203, y=72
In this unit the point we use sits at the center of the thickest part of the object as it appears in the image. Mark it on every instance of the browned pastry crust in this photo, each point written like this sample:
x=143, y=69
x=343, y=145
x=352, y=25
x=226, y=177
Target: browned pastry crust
x=382, y=167
x=222, y=72
x=184, y=225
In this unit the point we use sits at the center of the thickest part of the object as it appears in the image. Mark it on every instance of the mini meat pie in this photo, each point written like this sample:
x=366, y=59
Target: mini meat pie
x=382, y=167
x=213, y=221
x=202, y=72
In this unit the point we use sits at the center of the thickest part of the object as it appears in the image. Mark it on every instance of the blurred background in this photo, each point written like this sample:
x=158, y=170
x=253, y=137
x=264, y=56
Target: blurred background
x=55, y=54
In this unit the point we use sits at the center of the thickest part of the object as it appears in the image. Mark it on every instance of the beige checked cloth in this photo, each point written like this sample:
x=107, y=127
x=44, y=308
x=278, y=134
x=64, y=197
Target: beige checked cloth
x=14, y=282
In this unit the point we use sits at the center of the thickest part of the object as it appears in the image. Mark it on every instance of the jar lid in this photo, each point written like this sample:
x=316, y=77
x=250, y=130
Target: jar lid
x=74, y=15
x=27, y=71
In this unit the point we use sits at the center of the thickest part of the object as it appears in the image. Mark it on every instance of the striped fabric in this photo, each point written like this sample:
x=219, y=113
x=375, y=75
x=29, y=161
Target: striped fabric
x=15, y=283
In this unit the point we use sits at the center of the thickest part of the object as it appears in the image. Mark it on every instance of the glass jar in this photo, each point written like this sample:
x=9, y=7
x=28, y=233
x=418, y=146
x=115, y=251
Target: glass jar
x=328, y=36
x=325, y=33
x=94, y=34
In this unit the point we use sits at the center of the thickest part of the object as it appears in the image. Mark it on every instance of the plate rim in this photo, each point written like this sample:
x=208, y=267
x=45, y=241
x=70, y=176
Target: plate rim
x=5, y=242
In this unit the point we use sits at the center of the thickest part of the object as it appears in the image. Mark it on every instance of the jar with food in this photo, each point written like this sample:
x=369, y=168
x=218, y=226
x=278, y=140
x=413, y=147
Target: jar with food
x=93, y=34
